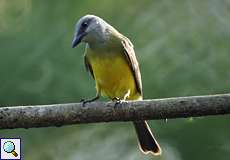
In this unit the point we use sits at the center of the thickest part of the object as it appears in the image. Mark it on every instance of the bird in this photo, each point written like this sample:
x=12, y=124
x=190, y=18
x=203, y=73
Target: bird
x=110, y=59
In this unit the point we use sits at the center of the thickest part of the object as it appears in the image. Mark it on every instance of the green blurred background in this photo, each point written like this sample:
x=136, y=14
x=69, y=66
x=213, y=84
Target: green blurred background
x=183, y=49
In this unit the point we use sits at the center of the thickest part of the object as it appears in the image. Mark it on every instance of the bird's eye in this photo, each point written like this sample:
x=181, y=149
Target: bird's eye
x=84, y=24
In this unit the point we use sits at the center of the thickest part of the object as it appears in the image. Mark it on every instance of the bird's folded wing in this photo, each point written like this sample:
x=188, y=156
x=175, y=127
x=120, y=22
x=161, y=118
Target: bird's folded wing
x=132, y=61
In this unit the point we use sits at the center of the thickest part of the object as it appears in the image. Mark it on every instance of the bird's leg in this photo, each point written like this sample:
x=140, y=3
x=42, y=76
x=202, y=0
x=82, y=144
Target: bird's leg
x=120, y=101
x=90, y=100
x=117, y=101
x=126, y=95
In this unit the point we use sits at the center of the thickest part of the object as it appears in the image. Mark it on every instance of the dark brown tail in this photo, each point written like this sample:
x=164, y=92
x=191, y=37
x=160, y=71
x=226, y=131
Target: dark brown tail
x=147, y=142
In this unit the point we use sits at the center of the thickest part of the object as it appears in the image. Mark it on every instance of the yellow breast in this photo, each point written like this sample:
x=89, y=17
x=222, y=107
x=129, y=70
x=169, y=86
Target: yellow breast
x=113, y=75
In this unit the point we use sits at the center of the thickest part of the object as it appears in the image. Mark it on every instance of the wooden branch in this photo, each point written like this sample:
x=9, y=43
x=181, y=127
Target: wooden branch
x=75, y=113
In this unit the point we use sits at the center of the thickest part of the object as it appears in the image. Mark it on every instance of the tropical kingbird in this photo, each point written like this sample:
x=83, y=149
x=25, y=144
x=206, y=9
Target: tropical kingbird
x=110, y=58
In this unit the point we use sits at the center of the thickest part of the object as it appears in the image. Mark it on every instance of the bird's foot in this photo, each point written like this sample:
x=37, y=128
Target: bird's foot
x=89, y=100
x=117, y=101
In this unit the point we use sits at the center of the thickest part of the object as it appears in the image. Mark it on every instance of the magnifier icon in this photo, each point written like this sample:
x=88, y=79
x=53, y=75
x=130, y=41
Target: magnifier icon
x=9, y=147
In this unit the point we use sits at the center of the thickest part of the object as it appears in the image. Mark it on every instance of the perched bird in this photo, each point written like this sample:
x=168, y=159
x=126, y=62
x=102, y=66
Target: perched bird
x=110, y=58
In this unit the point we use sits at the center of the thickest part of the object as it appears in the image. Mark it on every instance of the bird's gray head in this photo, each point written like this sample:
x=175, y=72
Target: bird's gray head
x=91, y=29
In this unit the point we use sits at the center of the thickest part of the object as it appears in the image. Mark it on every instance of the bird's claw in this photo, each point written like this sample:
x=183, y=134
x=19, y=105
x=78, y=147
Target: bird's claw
x=83, y=101
x=117, y=101
x=89, y=100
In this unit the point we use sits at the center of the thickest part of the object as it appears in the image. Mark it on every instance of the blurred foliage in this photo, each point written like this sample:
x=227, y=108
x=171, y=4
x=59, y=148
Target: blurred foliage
x=183, y=49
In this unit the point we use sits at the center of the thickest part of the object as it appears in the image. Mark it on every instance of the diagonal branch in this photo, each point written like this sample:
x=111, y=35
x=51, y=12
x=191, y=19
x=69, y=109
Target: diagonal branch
x=75, y=113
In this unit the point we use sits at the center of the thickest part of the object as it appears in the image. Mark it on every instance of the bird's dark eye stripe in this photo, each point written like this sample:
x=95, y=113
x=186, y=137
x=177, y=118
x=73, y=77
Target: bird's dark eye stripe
x=84, y=24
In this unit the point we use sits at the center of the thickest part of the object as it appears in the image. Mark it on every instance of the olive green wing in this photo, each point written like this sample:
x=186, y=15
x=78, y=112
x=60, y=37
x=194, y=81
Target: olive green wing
x=88, y=66
x=132, y=61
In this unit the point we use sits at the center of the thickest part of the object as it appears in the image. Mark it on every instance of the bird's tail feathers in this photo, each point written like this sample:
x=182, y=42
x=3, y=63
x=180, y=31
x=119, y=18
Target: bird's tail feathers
x=147, y=142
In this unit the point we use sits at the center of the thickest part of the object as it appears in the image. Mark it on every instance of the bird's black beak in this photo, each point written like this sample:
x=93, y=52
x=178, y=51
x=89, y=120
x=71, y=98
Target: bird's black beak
x=77, y=39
